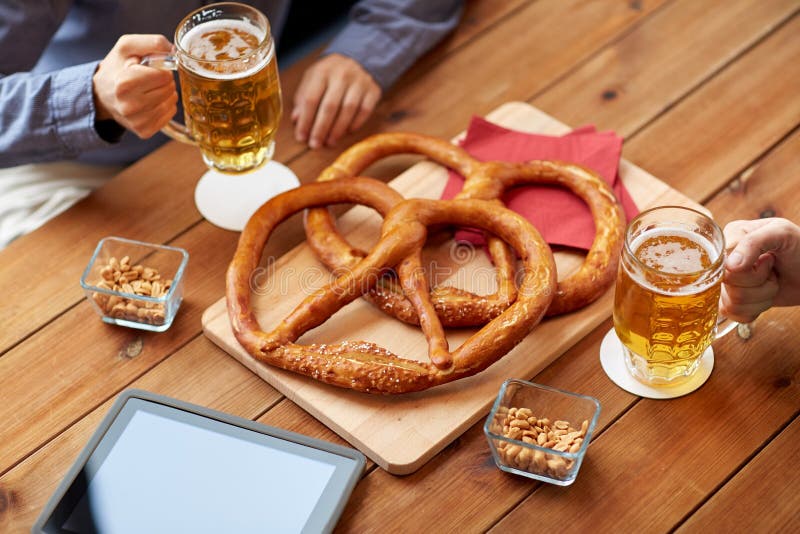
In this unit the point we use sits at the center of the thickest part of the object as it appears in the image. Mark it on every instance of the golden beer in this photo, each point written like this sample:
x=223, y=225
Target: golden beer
x=230, y=91
x=667, y=295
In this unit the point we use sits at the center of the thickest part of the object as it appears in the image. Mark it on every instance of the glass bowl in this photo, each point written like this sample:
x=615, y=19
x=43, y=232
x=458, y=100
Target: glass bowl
x=540, y=432
x=135, y=284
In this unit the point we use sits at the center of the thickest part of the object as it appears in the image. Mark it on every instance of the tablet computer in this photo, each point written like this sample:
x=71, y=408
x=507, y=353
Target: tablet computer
x=157, y=464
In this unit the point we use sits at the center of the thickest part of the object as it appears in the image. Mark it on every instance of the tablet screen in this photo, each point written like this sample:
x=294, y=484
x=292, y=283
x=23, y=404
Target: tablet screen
x=160, y=469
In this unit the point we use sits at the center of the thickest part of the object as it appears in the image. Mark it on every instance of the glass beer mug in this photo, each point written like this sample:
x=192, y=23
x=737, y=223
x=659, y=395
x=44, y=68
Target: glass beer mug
x=667, y=293
x=231, y=94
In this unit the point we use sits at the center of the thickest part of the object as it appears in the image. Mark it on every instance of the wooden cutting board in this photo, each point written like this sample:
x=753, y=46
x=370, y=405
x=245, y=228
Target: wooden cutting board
x=400, y=433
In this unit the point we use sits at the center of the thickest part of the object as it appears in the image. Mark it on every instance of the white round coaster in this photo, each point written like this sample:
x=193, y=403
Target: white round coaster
x=613, y=363
x=228, y=200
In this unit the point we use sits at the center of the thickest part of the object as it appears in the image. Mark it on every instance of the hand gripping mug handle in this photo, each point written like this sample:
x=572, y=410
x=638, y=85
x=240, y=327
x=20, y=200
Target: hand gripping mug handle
x=173, y=129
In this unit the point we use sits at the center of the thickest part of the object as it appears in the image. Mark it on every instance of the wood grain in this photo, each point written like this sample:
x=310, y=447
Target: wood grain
x=767, y=188
x=125, y=205
x=41, y=270
x=122, y=207
x=722, y=127
x=469, y=509
x=477, y=17
x=91, y=360
x=656, y=64
x=418, y=431
x=471, y=493
x=769, y=483
x=768, y=185
x=185, y=376
x=766, y=384
x=550, y=37
x=752, y=383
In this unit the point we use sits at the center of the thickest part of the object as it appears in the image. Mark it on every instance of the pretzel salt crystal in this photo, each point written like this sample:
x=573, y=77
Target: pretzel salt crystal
x=485, y=180
x=365, y=366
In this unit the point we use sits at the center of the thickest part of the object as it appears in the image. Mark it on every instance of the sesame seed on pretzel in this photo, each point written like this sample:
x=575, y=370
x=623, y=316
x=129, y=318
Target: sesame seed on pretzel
x=361, y=365
x=487, y=181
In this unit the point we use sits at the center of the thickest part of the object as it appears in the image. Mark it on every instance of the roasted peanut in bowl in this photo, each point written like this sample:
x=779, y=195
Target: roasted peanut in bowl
x=540, y=432
x=135, y=284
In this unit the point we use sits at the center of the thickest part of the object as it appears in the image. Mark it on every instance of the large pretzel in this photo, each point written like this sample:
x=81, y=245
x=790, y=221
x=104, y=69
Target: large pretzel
x=365, y=366
x=484, y=180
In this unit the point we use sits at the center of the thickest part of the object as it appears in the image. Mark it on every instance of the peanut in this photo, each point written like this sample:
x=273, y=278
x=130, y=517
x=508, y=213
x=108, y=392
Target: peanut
x=524, y=413
x=156, y=290
x=107, y=273
x=135, y=280
x=524, y=458
x=540, y=459
x=521, y=425
x=514, y=432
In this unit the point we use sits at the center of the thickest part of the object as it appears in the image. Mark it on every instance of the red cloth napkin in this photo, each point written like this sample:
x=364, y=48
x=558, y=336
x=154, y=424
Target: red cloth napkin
x=561, y=217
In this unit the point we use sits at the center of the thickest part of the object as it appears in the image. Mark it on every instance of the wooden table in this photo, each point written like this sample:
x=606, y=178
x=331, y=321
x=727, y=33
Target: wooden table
x=707, y=95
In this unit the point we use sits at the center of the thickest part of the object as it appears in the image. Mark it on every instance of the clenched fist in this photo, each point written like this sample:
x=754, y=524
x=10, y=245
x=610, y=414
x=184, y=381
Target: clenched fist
x=762, y=268
x=139, y=98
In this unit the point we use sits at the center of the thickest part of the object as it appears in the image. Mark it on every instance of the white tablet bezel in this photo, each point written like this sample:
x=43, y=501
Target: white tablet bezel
x=349, y=463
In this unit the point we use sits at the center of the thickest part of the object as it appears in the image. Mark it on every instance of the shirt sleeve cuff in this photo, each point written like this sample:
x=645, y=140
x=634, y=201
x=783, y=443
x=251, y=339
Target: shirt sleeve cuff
x=385, y=58
x=73, y=108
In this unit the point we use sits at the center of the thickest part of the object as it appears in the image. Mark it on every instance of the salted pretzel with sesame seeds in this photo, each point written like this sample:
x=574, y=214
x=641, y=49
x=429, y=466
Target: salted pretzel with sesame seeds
x=488, y=181
x=361, y=365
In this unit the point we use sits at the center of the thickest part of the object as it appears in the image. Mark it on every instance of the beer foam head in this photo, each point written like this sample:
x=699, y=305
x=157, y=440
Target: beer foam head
x=675, y=252
x=216, y=45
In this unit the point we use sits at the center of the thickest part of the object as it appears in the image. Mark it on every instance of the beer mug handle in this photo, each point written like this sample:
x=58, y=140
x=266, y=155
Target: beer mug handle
x=725, y=326
x=173, y=129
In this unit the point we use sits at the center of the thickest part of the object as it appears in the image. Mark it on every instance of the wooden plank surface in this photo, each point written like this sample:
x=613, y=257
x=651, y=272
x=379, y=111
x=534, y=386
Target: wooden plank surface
x=92, y=361
x=485, y=494
x=648, y=433
x=769, y=483
x=472, y=509
x=494, y=68
x=147, y=201
x=125, y=206
x=709, y=104
x=27, y=487
x=654, y=66
x=420, y=427
x=759, y=94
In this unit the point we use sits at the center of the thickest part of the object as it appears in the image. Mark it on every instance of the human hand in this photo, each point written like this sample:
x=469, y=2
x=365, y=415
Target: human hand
x=141, y=99
x=762, y=268
x=336, y=96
